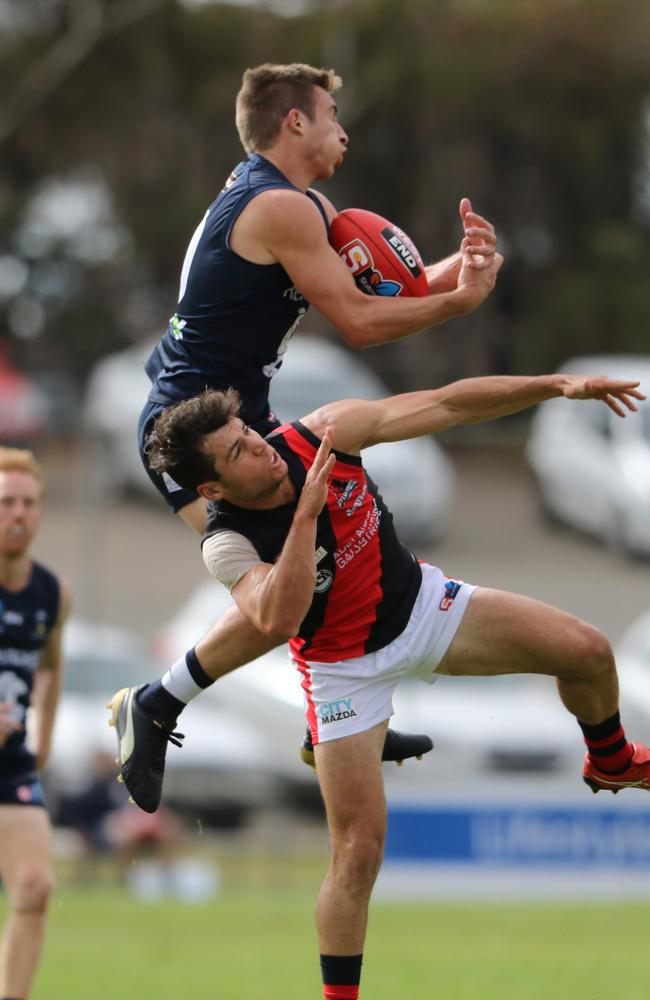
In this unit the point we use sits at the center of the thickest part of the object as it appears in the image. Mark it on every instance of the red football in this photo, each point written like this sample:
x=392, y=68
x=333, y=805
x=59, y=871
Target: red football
x=382, y=259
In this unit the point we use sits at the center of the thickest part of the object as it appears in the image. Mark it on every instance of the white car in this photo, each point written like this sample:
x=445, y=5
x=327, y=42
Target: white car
x=633, y=660
x=505, y=735
x=592, y=468
x=415, y=477
x=116, y=392
x=483, y=729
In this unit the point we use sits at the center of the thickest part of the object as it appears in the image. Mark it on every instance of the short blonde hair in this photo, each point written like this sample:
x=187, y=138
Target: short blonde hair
x=268, y=94
x=21, y=460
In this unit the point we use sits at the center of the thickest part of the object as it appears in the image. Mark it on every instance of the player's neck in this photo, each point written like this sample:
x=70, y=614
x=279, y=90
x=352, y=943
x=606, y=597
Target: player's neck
x=284, y=494
x=15, y=571
x=290, y=166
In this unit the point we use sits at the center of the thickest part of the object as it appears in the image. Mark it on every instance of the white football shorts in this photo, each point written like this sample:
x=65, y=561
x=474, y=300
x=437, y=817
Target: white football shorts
x=351, y=696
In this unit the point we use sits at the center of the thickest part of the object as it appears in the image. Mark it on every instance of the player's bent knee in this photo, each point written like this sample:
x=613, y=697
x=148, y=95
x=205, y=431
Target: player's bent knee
x=599, y=651
x=360, y=855
x=592, y=653
x=32, y=890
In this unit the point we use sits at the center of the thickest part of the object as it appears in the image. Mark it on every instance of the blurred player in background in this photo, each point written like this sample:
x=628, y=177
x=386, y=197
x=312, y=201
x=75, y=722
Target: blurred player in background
x=257, y=260
x=309, y=551
x=34, y=605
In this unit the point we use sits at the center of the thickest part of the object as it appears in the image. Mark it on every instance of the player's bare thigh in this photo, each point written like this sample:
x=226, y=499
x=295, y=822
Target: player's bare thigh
x=504, y=633
x=349, y=772
x=25, y=841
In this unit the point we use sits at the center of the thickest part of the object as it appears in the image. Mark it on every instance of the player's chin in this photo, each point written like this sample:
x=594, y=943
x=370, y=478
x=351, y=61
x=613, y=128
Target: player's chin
x=17, y=538
x=329, y=169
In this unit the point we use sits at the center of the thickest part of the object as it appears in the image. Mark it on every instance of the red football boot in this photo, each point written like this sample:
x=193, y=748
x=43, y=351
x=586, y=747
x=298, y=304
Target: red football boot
x=637, y=775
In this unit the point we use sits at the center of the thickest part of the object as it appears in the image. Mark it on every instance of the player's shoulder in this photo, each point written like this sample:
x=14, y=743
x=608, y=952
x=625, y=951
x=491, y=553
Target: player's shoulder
x=65, y=599
x=325, y=203
x=56, y=587
x=43, y=576
x=287, y=204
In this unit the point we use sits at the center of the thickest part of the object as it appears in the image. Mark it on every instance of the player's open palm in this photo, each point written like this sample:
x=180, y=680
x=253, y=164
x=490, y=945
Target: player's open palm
x=618, y=394
x=314, y=492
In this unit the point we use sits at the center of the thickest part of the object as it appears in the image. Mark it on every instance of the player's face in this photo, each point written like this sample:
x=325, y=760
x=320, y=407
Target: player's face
x=326, y=140
x=250, y=470
x=20, y=512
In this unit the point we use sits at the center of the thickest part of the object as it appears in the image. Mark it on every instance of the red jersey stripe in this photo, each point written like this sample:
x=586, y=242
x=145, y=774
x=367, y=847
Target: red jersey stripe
x=312, y=720
x=354, y=517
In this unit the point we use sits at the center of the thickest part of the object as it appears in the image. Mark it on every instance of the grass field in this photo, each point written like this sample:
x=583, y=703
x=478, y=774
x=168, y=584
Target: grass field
x=260, y=945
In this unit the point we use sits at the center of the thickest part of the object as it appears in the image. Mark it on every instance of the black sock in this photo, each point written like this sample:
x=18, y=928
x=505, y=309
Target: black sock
x=607, y=744
x=341, y=976
x=156, y=701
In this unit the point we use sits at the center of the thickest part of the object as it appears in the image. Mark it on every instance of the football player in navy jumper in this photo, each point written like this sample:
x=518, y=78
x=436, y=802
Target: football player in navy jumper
x=33, y=607
x=300, y=535
x=258, y=258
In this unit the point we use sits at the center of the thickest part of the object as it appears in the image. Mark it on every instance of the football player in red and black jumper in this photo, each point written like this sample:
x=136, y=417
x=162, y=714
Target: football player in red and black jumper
x=324, y=569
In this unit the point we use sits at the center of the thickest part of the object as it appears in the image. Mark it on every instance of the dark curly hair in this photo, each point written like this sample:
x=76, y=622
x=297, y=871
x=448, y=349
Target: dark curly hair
x=175, y=444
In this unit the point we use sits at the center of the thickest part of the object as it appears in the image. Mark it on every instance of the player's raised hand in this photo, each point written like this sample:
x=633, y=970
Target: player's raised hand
x=314, y=492
x=478, y=281
x=618, y=394
x=479, y=236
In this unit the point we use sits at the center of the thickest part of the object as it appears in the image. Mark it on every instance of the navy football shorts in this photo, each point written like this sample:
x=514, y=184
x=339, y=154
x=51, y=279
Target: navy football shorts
x=19, y=786
x=176, y=497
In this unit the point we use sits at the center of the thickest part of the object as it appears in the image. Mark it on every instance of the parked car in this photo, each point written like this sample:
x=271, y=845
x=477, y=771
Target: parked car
x=592, y=468
x=415, y=477
x=633, y=660
x=220, y=775
x=115, y=394
x=493, y=736
x=484, y=729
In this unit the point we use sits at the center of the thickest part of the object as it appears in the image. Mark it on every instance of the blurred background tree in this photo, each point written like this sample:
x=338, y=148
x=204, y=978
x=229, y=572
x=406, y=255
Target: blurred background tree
x=117, y=130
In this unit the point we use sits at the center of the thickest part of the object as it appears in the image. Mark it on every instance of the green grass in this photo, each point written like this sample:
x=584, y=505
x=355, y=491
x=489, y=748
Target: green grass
x=260, y=945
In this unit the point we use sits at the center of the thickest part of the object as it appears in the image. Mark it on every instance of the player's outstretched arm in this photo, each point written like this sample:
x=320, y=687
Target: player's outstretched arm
x=275, y=598
x=291, y=229
x=356, y=424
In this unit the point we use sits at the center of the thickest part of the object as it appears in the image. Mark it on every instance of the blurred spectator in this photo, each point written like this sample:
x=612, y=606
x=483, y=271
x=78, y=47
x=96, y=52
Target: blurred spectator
x=86, y=811
x=147, y=848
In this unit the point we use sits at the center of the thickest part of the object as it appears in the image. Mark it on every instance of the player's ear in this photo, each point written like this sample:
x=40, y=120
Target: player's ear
x=294, y=120
x=210, y=491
